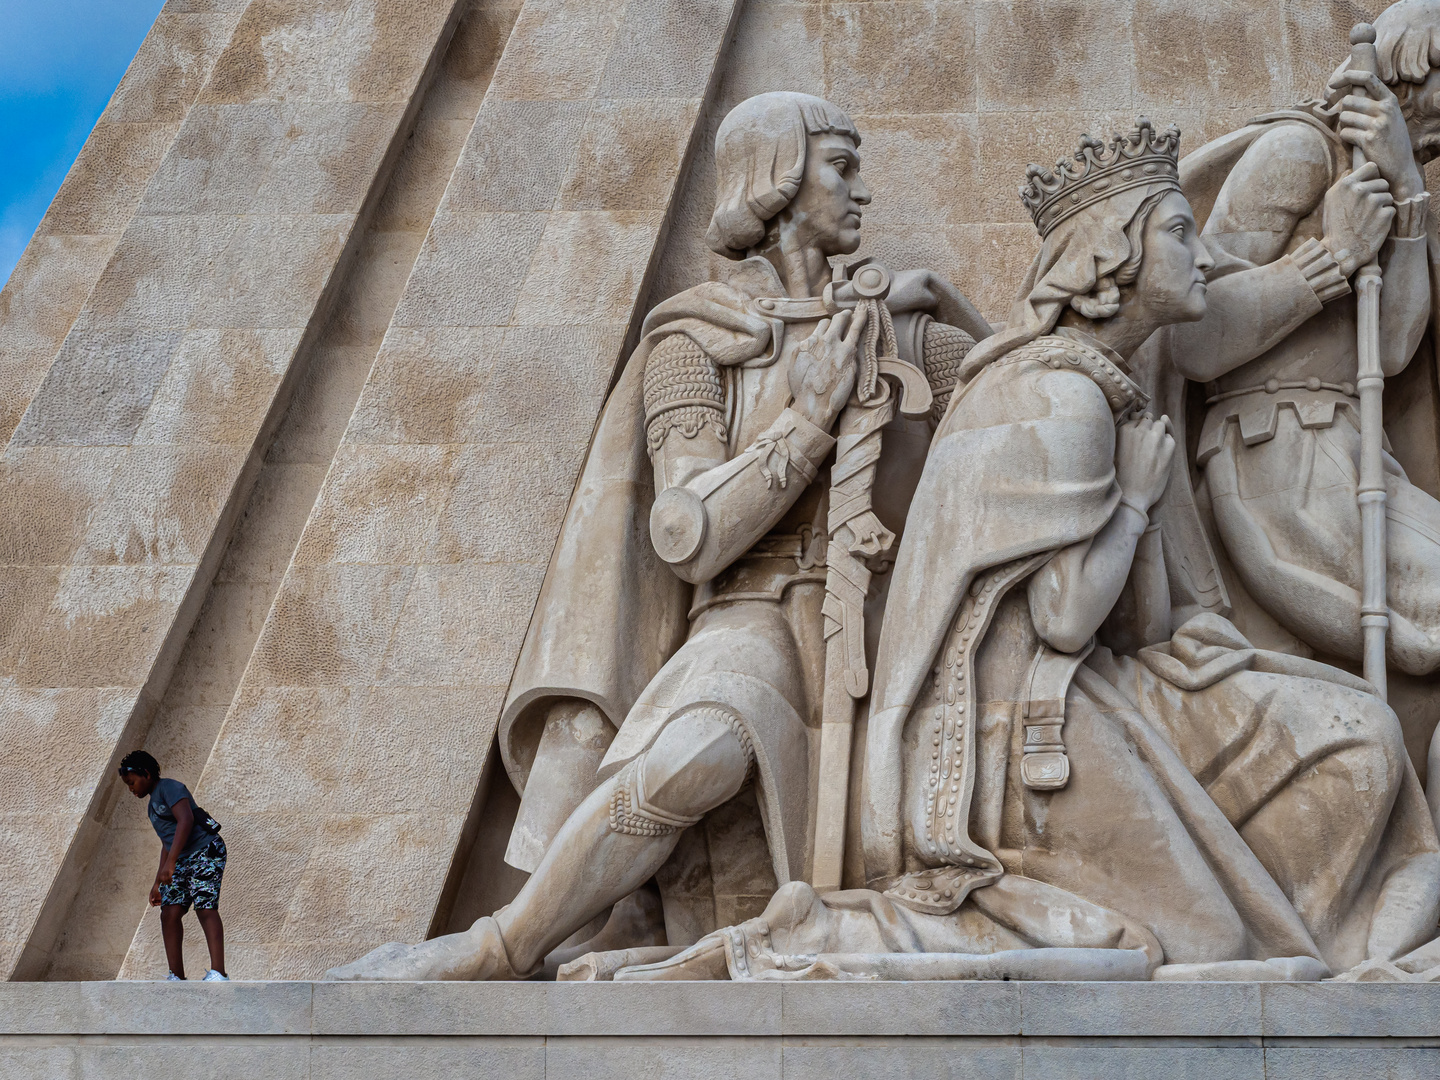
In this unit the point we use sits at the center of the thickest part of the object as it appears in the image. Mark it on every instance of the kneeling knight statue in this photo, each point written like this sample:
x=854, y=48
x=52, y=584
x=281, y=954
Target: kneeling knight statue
x=1062, y=774
x=703, y=622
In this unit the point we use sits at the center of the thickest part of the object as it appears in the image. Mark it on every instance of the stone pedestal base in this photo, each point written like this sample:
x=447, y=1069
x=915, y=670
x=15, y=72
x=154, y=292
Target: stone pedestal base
x=719, y=1031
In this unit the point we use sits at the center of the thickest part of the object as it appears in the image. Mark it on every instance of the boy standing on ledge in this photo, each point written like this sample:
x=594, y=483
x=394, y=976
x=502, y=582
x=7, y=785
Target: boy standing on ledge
x=192, y=862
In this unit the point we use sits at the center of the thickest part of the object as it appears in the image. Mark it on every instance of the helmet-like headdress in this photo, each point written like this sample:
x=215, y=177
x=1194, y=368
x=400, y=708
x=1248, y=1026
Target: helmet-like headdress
x=1101, y=168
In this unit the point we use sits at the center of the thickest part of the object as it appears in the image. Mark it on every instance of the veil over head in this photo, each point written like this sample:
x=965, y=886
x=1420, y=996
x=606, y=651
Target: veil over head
x=760, y=161
x=1085, y=247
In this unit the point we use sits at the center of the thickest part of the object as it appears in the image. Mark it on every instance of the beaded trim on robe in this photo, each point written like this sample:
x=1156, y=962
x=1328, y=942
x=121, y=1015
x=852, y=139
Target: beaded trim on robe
x=1070, y=349
x=941, y=828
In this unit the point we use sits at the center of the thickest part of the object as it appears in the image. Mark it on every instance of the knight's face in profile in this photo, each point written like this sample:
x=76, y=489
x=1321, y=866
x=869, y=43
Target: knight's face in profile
x=1171, y=282
x=826, y=210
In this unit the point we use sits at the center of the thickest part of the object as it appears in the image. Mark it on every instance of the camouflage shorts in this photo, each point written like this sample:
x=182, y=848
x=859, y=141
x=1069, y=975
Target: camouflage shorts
x=197, y=878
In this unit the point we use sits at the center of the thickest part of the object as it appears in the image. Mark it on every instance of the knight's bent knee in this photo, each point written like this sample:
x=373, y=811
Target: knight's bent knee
x=698, y=761
x=1380, y=730
x=1412, y=651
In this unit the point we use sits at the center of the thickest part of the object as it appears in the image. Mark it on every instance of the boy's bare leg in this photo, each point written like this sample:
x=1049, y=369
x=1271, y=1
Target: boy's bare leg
x=174, y=935
x=697, y=763
x=214, y=937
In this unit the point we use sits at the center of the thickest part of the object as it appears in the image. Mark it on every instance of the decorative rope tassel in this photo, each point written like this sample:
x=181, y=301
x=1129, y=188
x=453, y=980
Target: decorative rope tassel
x=879, y=334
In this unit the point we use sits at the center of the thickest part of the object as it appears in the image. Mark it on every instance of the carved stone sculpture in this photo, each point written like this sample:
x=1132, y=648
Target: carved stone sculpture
x=1288, y=223
x=687, y=609
x=1036, y=804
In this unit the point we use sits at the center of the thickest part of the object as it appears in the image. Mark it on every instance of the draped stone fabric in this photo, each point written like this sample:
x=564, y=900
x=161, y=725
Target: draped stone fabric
x=1082, y=249
x=1210, y=821
x=611, y=613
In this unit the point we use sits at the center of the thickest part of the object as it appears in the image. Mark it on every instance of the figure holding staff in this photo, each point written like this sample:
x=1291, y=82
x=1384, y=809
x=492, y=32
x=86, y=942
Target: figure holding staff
x=1305, y=210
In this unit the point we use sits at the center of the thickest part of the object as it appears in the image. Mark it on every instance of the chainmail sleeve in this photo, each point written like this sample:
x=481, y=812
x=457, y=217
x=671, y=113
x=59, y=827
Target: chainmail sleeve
x=683, y=390
x=945, y=348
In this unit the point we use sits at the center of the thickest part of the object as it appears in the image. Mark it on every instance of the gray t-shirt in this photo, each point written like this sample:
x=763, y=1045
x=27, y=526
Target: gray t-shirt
x=163, y=797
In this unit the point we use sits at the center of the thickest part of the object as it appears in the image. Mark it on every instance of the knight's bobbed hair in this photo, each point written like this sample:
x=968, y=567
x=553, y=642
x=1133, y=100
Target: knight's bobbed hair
x=760, y=161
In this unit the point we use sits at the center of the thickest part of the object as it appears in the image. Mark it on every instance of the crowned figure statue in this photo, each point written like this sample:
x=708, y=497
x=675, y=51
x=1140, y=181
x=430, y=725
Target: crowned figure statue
x=1059, y=782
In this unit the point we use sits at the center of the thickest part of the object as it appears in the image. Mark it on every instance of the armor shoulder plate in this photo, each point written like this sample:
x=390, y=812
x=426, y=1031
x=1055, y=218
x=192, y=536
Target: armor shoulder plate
x=683, y=389
x=944, y=350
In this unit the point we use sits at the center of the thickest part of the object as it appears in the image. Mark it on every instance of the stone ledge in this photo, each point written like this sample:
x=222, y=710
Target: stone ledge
x=661, y=1058
x=155, y=1008
x=1205, y=1011
x=720, y=1031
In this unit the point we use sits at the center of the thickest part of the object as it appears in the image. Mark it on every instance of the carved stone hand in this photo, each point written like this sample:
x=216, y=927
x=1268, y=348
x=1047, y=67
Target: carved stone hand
x=1372, y=121
x=824, y=370
x=1358, y=212
x=1143, y=449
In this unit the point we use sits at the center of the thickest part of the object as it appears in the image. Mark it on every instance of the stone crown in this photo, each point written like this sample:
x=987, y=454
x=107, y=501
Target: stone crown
x=1101, y=168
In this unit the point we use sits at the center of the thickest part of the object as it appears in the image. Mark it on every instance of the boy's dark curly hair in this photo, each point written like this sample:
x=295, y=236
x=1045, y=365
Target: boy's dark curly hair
x=138, y=761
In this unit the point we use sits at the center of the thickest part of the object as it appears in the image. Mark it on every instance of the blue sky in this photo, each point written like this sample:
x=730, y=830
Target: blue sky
x=60, y=60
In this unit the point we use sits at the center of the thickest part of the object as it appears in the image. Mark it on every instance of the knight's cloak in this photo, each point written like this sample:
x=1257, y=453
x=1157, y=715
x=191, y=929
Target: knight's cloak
x=610, y=611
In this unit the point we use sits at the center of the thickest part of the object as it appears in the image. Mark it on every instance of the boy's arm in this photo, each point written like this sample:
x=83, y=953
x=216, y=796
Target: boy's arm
x=155, y=888
x=184, y=822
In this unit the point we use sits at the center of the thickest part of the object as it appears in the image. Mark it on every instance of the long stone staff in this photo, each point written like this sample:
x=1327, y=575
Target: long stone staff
x=1374, y=610
x=847, y=577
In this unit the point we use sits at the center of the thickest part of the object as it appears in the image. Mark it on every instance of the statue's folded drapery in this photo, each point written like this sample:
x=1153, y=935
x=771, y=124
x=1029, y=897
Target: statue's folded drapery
x=1225, y=807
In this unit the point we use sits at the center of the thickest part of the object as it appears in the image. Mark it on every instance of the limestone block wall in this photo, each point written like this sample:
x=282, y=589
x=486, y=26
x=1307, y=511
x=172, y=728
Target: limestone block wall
x=953, y=98
x=367, y=707
x=299, y=372
x=133, y=454
x=110, y=901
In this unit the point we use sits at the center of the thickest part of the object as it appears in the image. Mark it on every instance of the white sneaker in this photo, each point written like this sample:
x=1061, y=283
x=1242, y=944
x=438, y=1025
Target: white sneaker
x=214, y=976
x=172, y=977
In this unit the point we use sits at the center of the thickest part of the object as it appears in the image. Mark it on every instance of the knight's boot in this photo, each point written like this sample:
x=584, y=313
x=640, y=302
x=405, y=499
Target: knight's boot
x=610, y=845
x=476, y=954
x=625, y=830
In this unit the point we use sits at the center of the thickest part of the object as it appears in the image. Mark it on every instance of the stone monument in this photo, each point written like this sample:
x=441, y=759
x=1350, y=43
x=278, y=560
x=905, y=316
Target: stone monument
x=575, y=531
